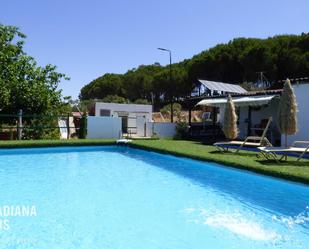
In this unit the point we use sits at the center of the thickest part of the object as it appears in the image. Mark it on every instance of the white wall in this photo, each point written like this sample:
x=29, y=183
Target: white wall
x=165, y=129
x=103, y=127
x=131, y=110
x=162, y=129
x=64, y=130
x=243, y=125
x=302, y=98
x=149, y=128
x=110, y=127
x=140, y=126
x=264, y=112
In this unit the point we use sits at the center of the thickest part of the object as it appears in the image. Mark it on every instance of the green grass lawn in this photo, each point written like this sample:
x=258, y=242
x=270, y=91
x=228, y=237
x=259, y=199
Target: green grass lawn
x=292, y=170
x=54, y=143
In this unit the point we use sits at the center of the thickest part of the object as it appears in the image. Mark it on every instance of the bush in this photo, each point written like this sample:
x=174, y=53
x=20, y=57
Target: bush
x=142, y=102
x=155, y=136
x=40, y=128
x=115, y=99
x=166, y=110
x=82, y=134
x=181, y=130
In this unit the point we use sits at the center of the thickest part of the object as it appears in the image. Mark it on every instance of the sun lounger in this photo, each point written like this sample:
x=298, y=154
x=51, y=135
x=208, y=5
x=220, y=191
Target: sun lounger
x=299, y=147
x=123, y=141
x=251, y=141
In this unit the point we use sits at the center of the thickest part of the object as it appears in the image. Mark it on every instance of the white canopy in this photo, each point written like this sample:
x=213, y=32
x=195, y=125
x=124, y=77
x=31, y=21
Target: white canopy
x=238, y=101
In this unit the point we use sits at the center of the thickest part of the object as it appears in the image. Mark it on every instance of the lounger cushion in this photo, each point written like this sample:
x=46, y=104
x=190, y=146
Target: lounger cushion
x=282, y=149
x=236, y=143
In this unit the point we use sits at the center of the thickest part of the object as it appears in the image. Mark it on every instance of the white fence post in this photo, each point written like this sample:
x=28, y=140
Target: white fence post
x=20, y=124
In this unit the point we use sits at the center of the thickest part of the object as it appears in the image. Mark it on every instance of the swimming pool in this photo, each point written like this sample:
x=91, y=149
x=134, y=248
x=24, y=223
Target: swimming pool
x=119, y=197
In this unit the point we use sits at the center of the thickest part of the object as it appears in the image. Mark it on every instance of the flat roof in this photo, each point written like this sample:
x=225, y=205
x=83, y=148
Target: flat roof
x=119, y=104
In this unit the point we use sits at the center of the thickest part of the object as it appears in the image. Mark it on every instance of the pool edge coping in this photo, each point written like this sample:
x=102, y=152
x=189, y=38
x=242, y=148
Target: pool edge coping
x=59, y=143
x=55, y=143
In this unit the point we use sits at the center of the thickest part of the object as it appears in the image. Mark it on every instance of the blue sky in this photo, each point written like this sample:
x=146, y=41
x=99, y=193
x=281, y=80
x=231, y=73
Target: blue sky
x=86, y=39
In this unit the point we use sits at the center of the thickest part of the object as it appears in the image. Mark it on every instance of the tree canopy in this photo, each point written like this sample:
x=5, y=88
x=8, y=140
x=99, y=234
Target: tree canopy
x=238, y=61
x=23, y=84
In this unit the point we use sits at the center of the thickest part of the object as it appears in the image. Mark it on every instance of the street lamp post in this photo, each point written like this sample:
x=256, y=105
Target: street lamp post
x=170, y=52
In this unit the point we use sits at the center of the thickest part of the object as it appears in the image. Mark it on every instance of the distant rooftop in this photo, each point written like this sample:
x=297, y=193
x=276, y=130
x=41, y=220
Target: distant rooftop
x=250, y=93
x=297, y=80
x=222, y=87
x=238, y=92
x=194, y=100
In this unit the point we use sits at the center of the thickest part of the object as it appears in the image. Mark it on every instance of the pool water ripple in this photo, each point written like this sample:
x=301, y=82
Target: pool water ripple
x=119, y=197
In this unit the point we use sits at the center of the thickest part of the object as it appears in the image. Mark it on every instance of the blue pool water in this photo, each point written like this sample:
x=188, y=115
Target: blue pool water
x=117, y=197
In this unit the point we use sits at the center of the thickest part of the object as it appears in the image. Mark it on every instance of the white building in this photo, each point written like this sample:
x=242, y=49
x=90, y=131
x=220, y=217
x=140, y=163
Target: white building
x=254, y=109
x=132, y=115
x=301, y=91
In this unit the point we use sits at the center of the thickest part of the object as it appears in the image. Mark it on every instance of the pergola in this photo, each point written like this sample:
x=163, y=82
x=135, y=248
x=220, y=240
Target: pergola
x=238, y=101
x=247, y=99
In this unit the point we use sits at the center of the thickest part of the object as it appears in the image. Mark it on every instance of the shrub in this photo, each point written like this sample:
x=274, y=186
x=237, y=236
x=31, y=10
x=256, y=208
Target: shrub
x=142, y=102
x=166, y=110
x=115, y=99
x=155, y=136
x=181, y=130
x=82, y=134
x=40, y=128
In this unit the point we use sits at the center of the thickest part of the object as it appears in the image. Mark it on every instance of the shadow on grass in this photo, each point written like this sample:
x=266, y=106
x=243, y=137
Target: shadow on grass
x=231, y=153
x=290, y=162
